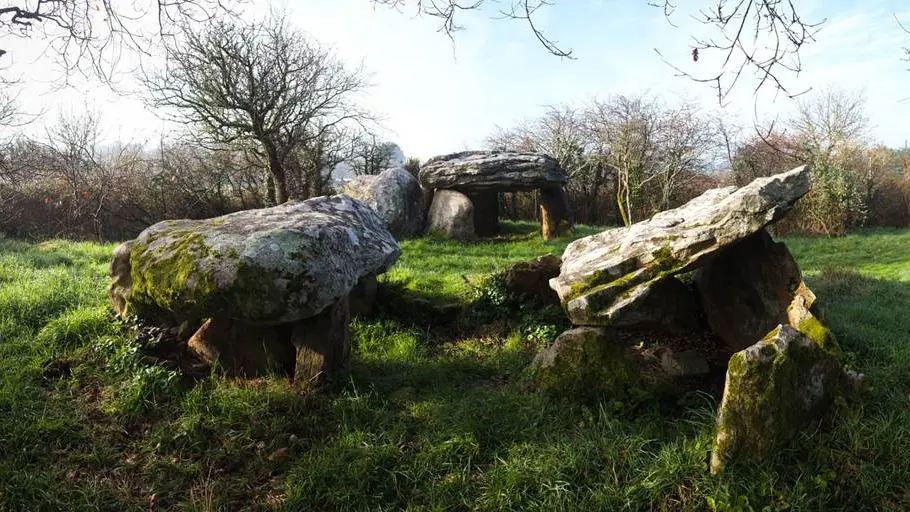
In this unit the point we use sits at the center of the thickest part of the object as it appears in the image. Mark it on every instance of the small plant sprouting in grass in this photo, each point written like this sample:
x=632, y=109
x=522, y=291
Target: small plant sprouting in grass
x=148, y=385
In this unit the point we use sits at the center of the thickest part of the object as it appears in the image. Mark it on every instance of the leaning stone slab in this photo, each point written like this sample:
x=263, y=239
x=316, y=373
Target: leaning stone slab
x=268, y=266
x=604, y=274
x=773, y=389
x=492, y=171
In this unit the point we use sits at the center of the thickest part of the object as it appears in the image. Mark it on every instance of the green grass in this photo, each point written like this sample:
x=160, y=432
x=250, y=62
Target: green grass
x=425, y=417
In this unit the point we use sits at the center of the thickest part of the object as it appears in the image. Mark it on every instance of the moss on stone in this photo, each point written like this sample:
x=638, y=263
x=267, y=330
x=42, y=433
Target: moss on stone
x=773, y=389
x=820, y=334
x=584, y=363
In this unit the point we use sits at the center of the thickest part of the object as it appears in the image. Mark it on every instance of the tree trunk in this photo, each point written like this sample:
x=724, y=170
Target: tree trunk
x=276, y=174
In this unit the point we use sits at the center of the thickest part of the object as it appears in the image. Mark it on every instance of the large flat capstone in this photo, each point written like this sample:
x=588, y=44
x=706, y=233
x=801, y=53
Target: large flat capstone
x=267, y=266
x=499, y=171
x=604, y=274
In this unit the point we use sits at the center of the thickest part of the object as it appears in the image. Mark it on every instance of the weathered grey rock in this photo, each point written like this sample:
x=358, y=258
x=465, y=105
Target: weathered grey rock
x=585, y=362
x=604, y=274
x=267, y=266
x=530, y=280
x=396, y=196
x=452, y=215
x=497, y=171
x=773, y=389
x=121, y=280
x=748, y=289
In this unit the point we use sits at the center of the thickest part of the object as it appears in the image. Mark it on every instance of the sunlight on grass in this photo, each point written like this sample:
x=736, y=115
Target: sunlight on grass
x=424, y=417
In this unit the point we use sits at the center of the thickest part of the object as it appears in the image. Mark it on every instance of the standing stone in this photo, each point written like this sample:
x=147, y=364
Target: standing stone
x=452, y=215
x=530, y=280
x=121, y=280
x=396, y=196
x=363, y=296
x=605, y=274
x=307, y=349
x=554, y=213
x=322, y=343
x=774, y=388
x=746, y=289
x=244, y=350
x=668, y=307
x=585, y=362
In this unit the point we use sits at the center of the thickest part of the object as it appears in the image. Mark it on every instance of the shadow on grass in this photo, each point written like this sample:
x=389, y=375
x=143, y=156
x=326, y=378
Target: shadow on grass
x=870, y=318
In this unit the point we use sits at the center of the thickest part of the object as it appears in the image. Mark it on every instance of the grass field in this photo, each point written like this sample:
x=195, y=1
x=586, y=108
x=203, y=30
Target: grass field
x=427, y=416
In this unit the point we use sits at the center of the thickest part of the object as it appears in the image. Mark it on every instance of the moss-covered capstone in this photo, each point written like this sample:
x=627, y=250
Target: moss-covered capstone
x=608, y=274
x=267, y=266
x=773, y=389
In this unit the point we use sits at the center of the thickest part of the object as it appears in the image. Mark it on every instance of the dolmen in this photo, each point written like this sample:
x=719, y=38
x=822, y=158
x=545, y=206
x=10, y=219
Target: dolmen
x=708, y=267
x=466, y=185
x=268, y=288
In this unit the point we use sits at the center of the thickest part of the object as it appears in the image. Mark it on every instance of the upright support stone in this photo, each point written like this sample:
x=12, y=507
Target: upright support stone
x=486, y=213
x=554, y=212
x=774, y=388
x=244, y=350
x=322, y=343
x=121, y=279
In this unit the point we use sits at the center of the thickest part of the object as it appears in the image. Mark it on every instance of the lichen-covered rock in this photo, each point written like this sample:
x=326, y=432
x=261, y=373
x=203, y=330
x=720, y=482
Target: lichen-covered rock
x=773, y=389
x=748, y=288
x=121, y=281
x=585, y=362
x=451, y=215
x=604, y=274
x=268, y=266
x=396, y=196
x=497, y=171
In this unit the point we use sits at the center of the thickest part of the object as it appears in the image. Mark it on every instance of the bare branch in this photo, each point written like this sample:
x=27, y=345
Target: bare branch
x=764, y=36
x=446, y=11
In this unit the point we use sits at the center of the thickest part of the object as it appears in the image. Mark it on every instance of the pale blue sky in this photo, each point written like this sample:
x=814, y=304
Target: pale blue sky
x=436, y=97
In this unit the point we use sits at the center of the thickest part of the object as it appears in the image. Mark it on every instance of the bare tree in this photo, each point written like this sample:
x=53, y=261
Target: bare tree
x=261, y=84
x=91, y=36
x=627, y=127
x=686, y=143
x=371, y=155
x=830, y=131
